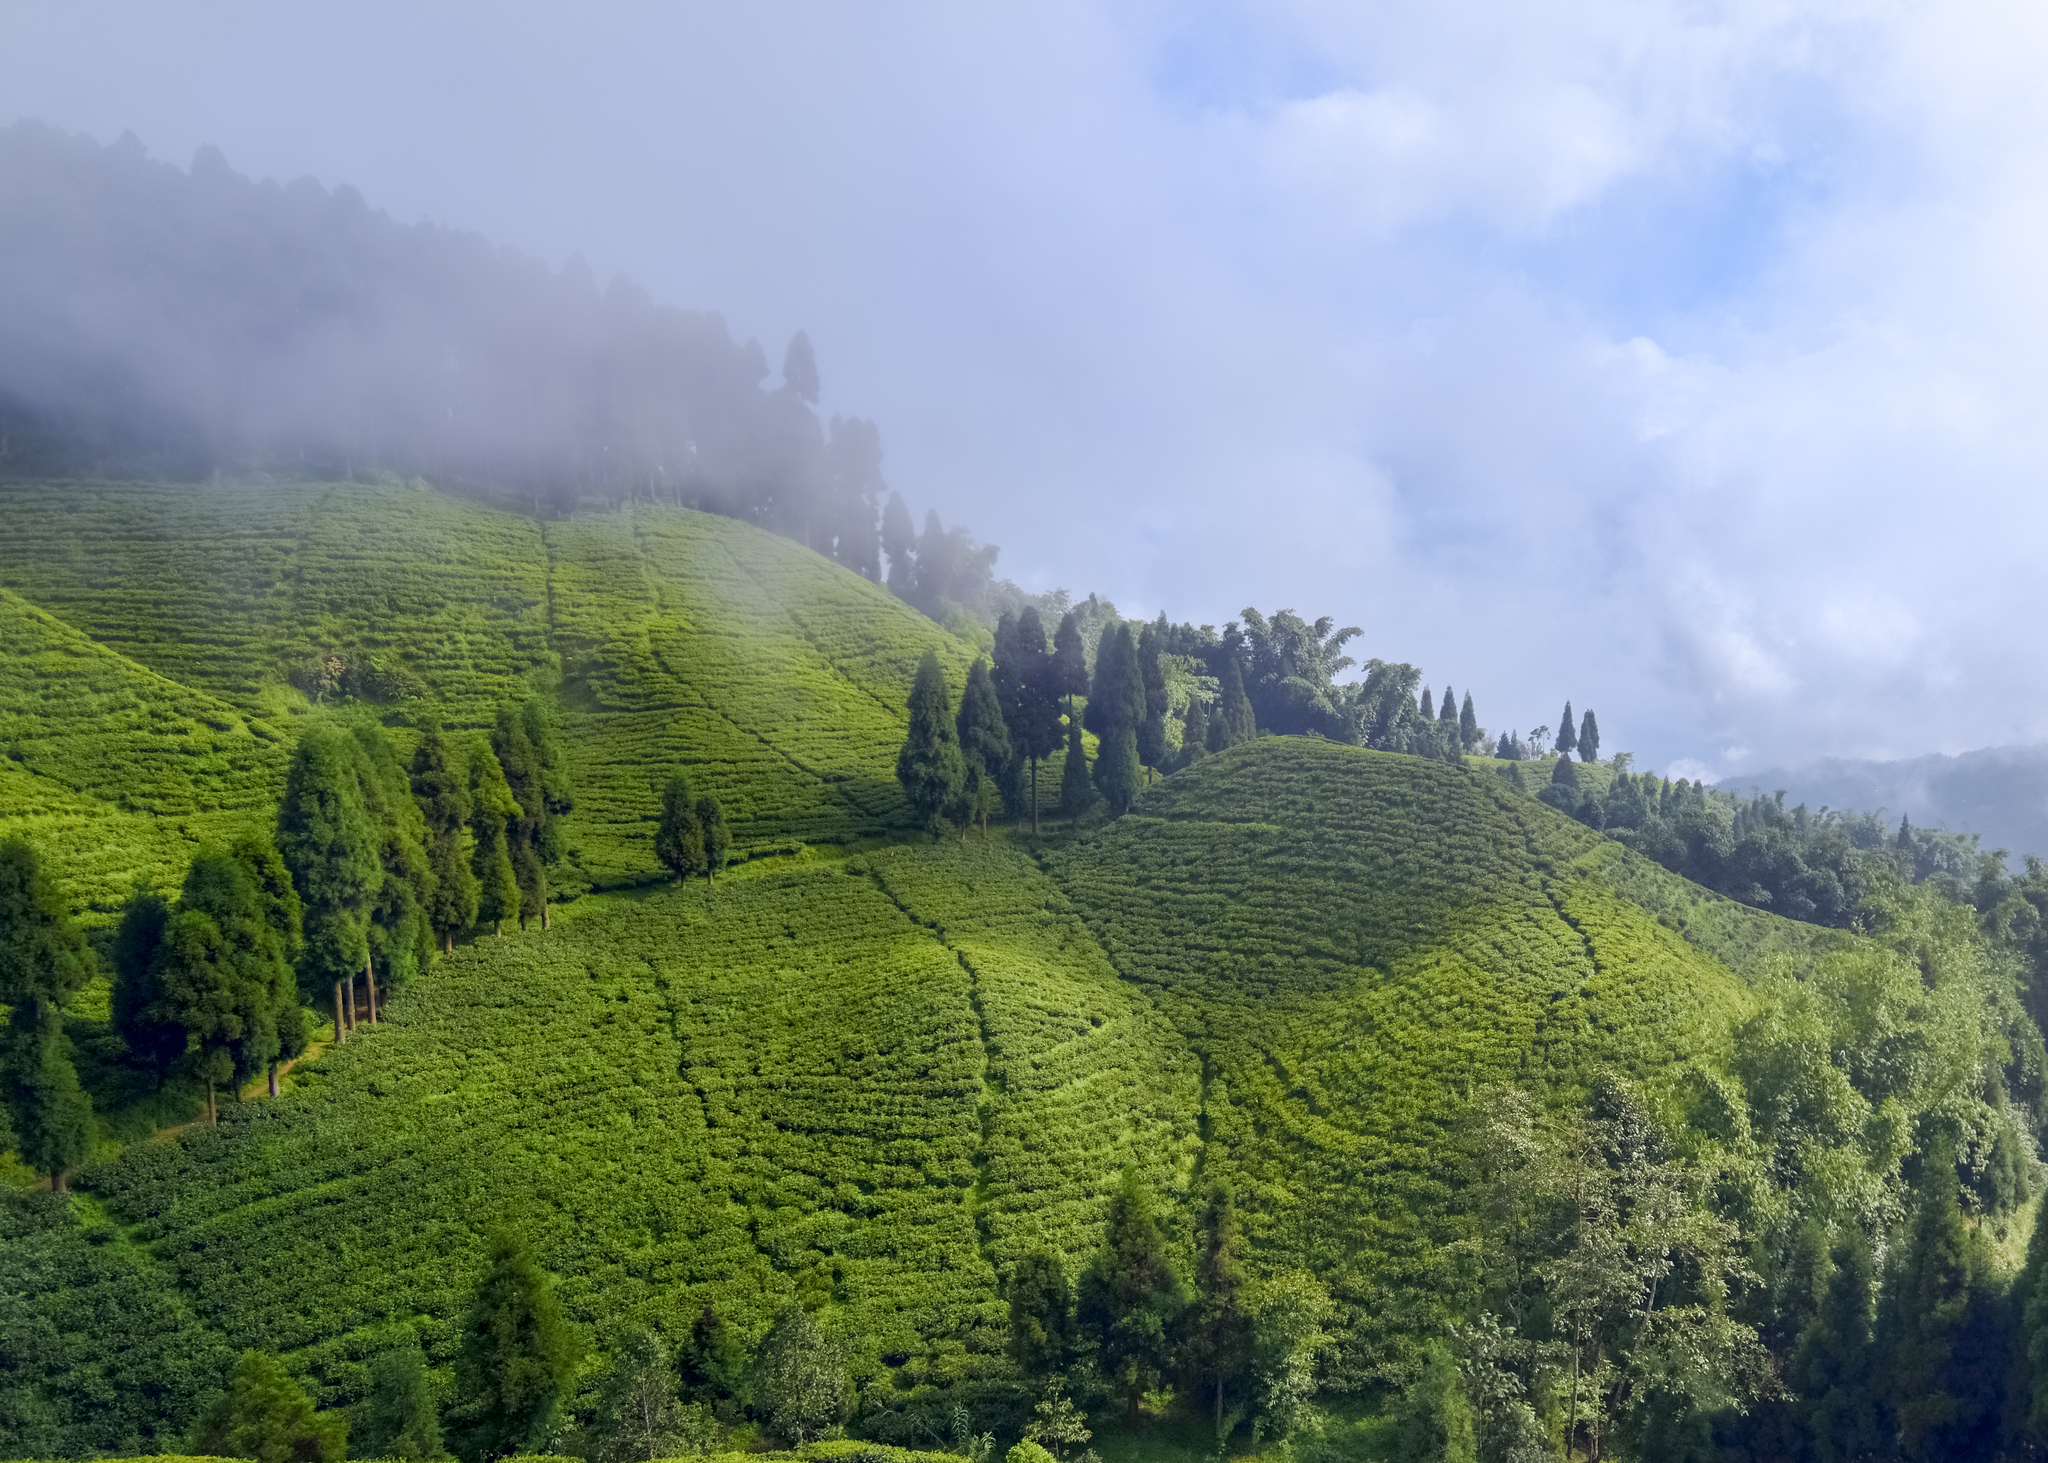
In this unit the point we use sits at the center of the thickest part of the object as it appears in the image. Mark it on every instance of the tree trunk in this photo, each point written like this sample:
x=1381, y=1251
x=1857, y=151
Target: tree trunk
x=497, y=928
x=212, y=1111
x=57, y=1184
x=370, y=987
x=340, y=1031
x=447, y=942
x=351, y=994
x=1219, y=1412
x=273, y=1076
x=543, y=916
x=1034, y=797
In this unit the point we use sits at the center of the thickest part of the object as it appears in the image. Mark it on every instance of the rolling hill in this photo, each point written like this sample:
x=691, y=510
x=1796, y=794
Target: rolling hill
x=866, y=1072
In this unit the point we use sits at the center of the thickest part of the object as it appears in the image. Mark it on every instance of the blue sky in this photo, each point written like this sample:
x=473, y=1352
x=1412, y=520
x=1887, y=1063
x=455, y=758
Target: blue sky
x=1680, y=359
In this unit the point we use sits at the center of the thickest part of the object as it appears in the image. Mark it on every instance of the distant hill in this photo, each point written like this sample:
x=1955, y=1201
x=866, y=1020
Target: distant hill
x=1998, y=793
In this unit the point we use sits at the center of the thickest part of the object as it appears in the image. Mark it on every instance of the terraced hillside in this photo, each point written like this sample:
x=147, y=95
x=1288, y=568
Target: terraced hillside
x=677, y=638
x=871, y=1083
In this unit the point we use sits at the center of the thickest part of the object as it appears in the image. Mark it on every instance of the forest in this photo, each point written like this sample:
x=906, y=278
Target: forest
x=416, y=916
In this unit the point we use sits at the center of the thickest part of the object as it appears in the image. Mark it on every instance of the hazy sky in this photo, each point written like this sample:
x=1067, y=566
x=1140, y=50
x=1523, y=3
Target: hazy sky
x=1682, y=359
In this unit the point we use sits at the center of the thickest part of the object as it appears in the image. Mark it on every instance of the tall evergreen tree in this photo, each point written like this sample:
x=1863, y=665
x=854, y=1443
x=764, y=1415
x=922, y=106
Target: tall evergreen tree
x=1468, y=725
x=492, y=809
x=518, y=1357
x=1006, y=679
x=1567, y=738
x=899, y=542
x=717, y=837
x=440, y=785
x=1152, y=748
x=399, y=1418
x=1069, y=660
x=266, y=1416
x=1589, y=738
x=1219, y=1342
x=401, y=939
x=1131, y=1297
x=679, y=836
x=1942, y=1358
x=1077, y=790
x=330, y=844
x=984, y=742
x=714, y=1362
x=1116, y=706
x=1033, y=718
x=1447, y=711
x=278, y=905
x=1232, y=722
x=1833, y=1363
x=150, y=1039
x=1041, y=1315
x=44, y=962
x=1194, y=740
x=930, y=767
x=527, y=834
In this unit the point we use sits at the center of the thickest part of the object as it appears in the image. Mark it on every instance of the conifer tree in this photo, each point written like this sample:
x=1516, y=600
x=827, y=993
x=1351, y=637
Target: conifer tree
x=1447, y=711
x=679, y=836
x=1589, y=738
x=44, y=962
x=1219, y=1352
x=717, y=837
x=278, y=905
x=1041, y=1315
x=441, y=788
x=266, y=1416
x=150, y=1040
x=1194, y=739
x=899, y=542
x=984, y=742
x=1832, y=1367
x=1069, y=660
x=1006, y=679
x=518, y=1357
x=1233, y=721
x=1130, y=1298
x=1152, y=748
x=527, y=835
x=1118, y=705
x=1941, y=1361
x=1567, y=739
x=401, y=940
x=492, y=809
x=399, y=1419
x=1468, y=725
x=1428, y=705
x=930, y=767
x=714, y=1363
x=330, y=844
x=1033, y=718
x=1077, y=791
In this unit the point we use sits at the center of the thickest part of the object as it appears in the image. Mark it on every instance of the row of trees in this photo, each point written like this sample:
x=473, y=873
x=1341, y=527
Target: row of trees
x=370, y=868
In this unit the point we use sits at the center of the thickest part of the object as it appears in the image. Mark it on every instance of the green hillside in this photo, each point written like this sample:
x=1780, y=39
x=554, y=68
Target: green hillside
x=868, y=1071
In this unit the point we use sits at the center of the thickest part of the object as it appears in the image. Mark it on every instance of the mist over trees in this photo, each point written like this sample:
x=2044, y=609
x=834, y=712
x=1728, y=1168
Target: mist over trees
x=172, y=324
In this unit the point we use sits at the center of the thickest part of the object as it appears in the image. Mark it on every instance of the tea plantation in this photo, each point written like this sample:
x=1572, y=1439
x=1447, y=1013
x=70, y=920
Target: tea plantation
x=866, y=1072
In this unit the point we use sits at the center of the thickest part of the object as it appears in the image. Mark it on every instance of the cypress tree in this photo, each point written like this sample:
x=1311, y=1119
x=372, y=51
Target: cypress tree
x=1077, y=793
x=679, y=836
x=401, y=940
x=492, y=809
x=1152, y=749
x=518, y=1357
x=1468, y=725
x=1118, y=773
x=526, y=836
x=717, y=838
x=1447, y=712
x=1233, y=722
x=1428, y=705
x=899, y=542
x=1589, y=738
x=1095, y=716
x=1131, y=1297
x=329, y=842
x=266, y=1416
x=1041, y=1315
x=714, y=1363
x=441, y=788
x=984, y=741
x=1833, y=1360
x=1567, y=739
x=1220, y=1336
x=44, y=962
x=929, y=767
x=1565, y=772
x=1007, y=680
x=399, y=1418
x=1069, y=659
x=1118, y=703
x=150, y=1040
x=277, y=903
x=1034, y=718
x=1194, y=740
